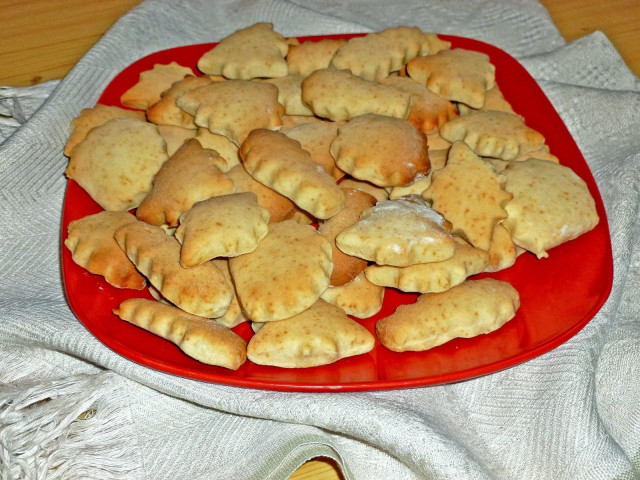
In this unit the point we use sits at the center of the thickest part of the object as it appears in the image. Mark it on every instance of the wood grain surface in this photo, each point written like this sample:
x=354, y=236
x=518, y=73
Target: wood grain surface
x=43, y=39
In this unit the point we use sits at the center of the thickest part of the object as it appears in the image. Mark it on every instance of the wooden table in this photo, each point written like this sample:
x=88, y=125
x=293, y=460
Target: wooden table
x=42, y=39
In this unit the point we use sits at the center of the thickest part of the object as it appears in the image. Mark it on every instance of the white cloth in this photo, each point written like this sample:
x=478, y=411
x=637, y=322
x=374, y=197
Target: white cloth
x=573, y=413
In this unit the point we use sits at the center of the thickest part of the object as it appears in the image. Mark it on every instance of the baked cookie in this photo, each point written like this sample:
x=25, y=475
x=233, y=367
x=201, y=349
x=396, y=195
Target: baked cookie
x=175, y=137
x=316, y=138
x=201, y=290
x=339, y=96
x=438, y=159
x=234, y=315
x=376, y=192
x=94, y=117
x=467, y=310
x=291, y=121
x=224, y=226
x=234, y=108
x=550, y=205
x=285, y=275
x=280, y=163
x=152, y=83
x=166, y=112
x=458, y=75
x=359, y=298
x=493, y=134
x=399, y=232
x=90, y=241
x=221, y=144
x=320, y=335
x=428, y=111
x=117, y=161
x=494, y=100
x=310, y=56
x=432, y=277
x=502, y=251
x=204, y=340
x=469, y=194
x=255, y=51
x=346, y=267
x=290, y=94
x=278, y=205
x=191, y=175
x=382, y=150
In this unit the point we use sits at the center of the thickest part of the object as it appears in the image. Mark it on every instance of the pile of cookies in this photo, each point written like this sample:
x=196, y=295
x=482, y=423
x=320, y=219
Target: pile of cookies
x=288, y=184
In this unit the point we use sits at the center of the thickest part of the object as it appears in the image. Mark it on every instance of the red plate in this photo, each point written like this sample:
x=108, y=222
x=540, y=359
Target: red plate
x=559, y=294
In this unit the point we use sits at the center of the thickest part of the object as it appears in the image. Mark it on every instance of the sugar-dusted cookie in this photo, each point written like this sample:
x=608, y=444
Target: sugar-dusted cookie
x=278, y=205
x=339, y=96
x=438, y=159
x=320, y=335
x=285, y=275
x=316, y=138
x=234, y=108
x=428, y=110
x=458, y=75
x=166, y=112
x=502, y=251
x=310, y=56
x=550, y=205
x=399, y=232
x=382, y=150
x=467, y=310
x=175, y=137
x=290, y=94
x=200, y=290
x=234, y=315
x=375, y=191
x=90, y=241
x=280, y=163
x=152, y=83
x=359, y=298
x=199, y=338
x=116, y=162
x=346, y=267
x=191, y=175
x=375, y=55
x=434, y=276
x=469, y=194
x=224, y=226
x=494, y=100
x=255, y=51
x=493, y=134
x=93, y=117
x=221, y=144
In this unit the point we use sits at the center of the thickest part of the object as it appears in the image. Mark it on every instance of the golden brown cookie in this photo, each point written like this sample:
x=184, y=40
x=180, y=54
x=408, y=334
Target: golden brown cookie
x=339, y=96
x=382, y=150
x=319, y=335
x=469, y=194
x=290, y=94
x=255, y=51
x=166, y=112
x=493, y=134
x=458, y=75
x=90, y=241
x=201, y=290
x=224, y=226
x=191, y=175
x=550, y=205
x=346, y=267
x=199, y=338
x=378, y=193
x=494, y=100
x=285, y=275
x=152, y=83
x=221, y=144
x=234, y=108
x=116, y=162
x=280, y=163
x=310, y=56
x=94, y=117
x=316, y=138
x=278, y=205
x=467, y=310
x=359, y=298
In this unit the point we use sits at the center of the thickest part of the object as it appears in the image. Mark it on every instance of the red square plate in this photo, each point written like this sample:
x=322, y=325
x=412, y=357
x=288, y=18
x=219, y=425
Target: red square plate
x=559, y=294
